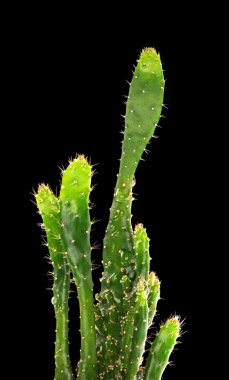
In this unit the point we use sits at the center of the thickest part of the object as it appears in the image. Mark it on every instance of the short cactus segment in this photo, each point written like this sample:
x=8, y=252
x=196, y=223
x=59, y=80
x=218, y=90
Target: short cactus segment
x=141, y=247
x=153, y=296
x=76, y=226
x=161, y=349
x=114, y=329
x=49, y=209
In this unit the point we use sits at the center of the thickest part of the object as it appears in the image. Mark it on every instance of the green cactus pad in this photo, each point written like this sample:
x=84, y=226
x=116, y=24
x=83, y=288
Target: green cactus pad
x=143, y=111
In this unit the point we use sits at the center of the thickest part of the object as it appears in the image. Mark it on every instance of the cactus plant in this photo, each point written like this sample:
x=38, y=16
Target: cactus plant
x=114, y=327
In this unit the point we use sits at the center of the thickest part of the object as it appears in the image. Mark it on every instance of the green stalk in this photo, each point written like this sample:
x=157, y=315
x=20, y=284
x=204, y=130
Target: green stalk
x=76, y=226
x=141, y=247
x=49, y=209
x=161, y=349
x=153, y=296
x=143, y=111
x=139, y=333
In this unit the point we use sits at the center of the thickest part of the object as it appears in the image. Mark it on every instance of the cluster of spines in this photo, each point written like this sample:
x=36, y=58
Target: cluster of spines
x=114, y=330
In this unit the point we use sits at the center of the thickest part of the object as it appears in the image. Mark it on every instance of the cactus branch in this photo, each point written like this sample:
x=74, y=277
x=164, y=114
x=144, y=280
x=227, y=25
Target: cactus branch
x=141, y=247
x=153, y=296
x=161, y=349
x=49, y=209
x=143, y=111
x=76, y=225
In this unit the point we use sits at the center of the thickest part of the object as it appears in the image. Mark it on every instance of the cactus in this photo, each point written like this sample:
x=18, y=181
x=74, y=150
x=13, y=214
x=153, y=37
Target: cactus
x=114, y=327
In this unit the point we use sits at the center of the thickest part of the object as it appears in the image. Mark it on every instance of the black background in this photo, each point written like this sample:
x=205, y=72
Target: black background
x=67, y=84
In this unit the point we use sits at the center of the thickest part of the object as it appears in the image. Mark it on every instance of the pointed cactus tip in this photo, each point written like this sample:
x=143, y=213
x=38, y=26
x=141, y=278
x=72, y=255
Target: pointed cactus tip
x=152, y=278
x=161, y=349
x=149, y=60
x=43, y=187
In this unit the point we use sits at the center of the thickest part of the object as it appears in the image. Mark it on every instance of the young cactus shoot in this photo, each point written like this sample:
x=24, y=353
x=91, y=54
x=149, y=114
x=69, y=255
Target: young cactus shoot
x=114, y=327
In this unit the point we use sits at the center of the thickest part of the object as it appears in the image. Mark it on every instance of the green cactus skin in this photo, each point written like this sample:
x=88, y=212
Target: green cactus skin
x=139, y=333
x=141, y=247
x=153, y=296
x=127, y=335
x=49, y=209
x=76, y=226
x=143, y=111
x=133, y=321
x=161, y=349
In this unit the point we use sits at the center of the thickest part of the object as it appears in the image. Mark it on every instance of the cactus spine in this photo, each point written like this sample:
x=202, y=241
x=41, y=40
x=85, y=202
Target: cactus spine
x=114, y=329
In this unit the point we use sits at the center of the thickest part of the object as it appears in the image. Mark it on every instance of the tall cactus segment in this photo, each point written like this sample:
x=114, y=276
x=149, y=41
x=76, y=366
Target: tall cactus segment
x=49, y=209
x=76, y=226
x=143, y=111
x=114, y=329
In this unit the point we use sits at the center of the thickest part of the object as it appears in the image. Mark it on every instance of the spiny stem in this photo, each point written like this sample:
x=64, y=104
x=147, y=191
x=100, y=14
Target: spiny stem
x=76, y=226
x=142, y=114
x=153, y=296
x=49, y=209
x=161, y=349
x=141, y=247
x=140, y=331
